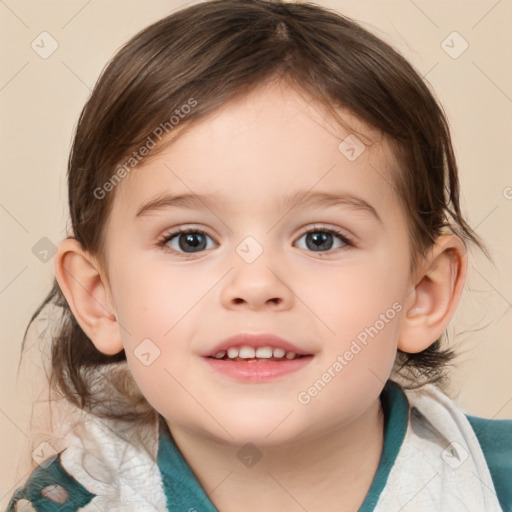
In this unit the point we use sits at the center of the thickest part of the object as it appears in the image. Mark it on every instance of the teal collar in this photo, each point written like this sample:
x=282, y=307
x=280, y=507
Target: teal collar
x=182, y=489
x=184, y=492
x=396, y=412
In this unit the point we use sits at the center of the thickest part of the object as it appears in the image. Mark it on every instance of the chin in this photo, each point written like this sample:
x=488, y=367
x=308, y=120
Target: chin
x=259, y=428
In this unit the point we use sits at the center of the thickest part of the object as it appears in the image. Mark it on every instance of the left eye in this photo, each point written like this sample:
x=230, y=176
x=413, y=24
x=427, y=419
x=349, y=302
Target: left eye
x=320, y=240
x=193, y=238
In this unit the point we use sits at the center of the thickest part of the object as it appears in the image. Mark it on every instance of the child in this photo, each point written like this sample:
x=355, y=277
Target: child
x=290, y=358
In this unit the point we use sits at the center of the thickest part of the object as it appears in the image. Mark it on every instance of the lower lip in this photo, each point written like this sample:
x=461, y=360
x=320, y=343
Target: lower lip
x=257, y=371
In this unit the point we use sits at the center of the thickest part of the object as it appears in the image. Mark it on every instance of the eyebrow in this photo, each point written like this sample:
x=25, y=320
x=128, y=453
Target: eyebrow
x=302, y=198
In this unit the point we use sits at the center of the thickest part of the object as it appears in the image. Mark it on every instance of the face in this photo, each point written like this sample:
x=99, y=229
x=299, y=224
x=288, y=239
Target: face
x=330, y=276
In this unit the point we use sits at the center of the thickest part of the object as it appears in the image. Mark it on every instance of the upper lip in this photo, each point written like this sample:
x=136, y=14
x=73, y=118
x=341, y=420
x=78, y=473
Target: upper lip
x=255, y=341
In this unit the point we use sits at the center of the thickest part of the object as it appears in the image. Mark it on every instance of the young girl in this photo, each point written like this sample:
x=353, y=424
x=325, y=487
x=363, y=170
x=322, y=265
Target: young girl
x=267, y=247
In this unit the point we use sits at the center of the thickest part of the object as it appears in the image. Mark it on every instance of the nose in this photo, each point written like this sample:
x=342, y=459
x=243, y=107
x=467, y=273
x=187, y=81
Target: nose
x=256, y=286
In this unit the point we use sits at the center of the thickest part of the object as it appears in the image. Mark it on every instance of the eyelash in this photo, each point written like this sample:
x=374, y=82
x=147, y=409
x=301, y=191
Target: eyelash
x=169, y=236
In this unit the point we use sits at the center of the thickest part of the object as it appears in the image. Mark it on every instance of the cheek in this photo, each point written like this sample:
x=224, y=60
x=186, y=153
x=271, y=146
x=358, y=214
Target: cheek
x=346, y=300
x=361, y=311
x=158, y=309
x=153, y=299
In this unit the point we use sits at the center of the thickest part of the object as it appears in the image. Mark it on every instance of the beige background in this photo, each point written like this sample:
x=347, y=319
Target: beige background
x=40, y=101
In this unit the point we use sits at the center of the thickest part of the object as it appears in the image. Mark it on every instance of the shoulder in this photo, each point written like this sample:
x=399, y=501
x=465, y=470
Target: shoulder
x=495, y=439
x=50, y=488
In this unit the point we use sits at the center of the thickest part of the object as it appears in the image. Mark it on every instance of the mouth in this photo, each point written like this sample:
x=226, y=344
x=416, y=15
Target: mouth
x=251, y=354
x=256, y=358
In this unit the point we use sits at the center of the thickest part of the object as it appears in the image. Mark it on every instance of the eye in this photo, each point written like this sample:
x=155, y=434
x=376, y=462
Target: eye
x=187, y=241
x=323, y=239
x=192, y=240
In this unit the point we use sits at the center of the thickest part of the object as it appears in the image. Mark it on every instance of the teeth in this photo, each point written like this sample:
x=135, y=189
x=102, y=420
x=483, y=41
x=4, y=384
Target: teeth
x=246, y=352
x=279, y=352
x=232, y=352
x=264, y=352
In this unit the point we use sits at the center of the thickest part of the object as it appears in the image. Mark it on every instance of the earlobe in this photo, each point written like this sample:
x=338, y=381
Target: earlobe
x=435, y=296
x=88, y=296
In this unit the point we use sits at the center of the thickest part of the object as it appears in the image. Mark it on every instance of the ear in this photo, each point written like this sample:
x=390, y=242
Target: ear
x=437, y=289
x=88, y=294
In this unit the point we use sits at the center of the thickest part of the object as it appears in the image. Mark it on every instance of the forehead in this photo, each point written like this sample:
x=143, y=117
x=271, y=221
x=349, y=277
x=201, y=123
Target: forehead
x=263, y=147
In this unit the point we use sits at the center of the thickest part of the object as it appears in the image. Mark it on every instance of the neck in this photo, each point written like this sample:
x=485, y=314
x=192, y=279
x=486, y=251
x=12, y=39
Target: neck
x=332, y=472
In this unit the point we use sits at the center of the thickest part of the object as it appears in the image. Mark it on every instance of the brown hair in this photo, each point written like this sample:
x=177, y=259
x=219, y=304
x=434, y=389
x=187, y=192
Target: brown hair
x=212, y=52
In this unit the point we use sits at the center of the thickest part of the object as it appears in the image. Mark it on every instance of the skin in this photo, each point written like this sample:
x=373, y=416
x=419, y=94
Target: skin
x=253, y=152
